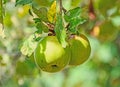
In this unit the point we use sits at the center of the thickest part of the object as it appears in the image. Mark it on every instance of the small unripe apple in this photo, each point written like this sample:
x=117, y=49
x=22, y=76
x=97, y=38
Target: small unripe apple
x=50, y=56
x=80, y=49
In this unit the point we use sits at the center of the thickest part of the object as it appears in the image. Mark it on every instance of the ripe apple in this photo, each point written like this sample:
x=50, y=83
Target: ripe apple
x=80, y=49
x=50, y=56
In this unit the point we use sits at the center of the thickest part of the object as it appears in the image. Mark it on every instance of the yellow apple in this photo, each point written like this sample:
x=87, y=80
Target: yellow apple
x=50, y=56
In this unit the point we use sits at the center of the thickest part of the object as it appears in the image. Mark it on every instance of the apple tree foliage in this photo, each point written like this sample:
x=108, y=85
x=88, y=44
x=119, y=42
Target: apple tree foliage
x=23, y=23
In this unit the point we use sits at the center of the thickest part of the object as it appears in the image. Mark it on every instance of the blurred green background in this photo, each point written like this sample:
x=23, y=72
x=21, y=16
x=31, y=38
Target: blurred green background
x=102, y=28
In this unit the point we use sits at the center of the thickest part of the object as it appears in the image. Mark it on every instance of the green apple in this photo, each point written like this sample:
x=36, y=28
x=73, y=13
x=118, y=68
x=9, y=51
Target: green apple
x=80, y=49
x=50, y=56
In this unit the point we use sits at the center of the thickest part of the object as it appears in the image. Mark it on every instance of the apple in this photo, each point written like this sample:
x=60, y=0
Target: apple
x=50, y=56
x=80, y=49
x=108, y=31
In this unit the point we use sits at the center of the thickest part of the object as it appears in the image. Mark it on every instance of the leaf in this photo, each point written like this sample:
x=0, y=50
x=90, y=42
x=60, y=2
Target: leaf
x=73, y=17
x=60, y=30
x=73, y=13
x=23, y=2
x=74, y=23
x=40, y=26
x=41, y=13
x=28, y=46
x=52, y=13
x=37, y=20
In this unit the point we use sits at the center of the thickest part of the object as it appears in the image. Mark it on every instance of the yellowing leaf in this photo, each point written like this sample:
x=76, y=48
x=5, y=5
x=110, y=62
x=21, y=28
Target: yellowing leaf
x=52, y=13
x=2, y=34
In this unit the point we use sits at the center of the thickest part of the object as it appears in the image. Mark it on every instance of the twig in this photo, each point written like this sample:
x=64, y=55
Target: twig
x=61, y=7
x=1, y=14
x=92, y=14
x=64, y=10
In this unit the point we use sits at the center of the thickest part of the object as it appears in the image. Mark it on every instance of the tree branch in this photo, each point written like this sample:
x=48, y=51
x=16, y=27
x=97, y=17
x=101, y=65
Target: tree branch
x=60, y=6
x=1, y=14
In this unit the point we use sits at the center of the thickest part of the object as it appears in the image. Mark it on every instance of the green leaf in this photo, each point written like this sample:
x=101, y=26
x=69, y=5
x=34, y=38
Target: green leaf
x=28, y=46
x=37, y=20
x=41, y=27
x=60, y=30
x=23, y=2
x=73, y=13
x=41, y=13
x=73, y=17
x=74, y=23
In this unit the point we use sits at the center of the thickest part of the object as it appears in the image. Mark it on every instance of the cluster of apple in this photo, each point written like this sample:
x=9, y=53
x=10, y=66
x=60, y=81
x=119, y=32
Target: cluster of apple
x=50, y=56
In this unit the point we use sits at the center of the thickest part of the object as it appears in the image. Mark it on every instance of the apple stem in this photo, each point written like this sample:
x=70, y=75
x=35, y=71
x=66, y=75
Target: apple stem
x=72, y=36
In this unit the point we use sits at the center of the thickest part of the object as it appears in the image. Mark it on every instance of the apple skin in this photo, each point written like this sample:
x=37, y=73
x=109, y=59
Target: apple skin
x=50, y=56
x=80, y=49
